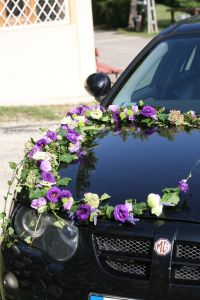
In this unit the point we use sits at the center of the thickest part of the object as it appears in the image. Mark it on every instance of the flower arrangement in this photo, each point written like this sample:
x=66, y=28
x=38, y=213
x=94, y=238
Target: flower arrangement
x=38, y=172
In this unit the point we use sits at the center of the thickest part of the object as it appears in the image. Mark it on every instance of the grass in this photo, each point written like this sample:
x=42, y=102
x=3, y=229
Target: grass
x=37, y=113
x=163, y=18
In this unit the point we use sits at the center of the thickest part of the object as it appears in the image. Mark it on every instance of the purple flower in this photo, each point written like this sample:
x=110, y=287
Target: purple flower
x=42, y=142
x=149, y=112
x=132, y=219
x=116, y=118
x=33, y=151
x=80, y=110
x=121, y=213
x=54, y=194
x=83, y=212
x=73, y=136
x=114, y=108
x=150, y=131
x=66, y=194
x=45, y=166
x=135, y=108
x=68, y=204
x=47, y=176
x=131, y=118
x=74, y=148
x=183, y=186
x=52, y=135
x=36, y=203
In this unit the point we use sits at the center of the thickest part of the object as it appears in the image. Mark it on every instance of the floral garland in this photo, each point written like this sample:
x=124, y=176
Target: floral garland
x=39, y=168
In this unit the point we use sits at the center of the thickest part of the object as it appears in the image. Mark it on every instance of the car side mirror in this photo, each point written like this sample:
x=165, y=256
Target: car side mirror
x=98, y=85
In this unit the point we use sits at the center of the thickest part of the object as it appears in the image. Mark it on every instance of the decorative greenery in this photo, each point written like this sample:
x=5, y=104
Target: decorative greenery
x=38, y=173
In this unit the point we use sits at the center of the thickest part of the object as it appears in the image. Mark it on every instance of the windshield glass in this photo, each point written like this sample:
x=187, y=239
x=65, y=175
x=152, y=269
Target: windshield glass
x=168, y=76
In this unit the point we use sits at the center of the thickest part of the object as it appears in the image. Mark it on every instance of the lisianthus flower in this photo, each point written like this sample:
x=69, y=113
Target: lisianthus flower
x=33, y=151
x=66, y=194
x=54, y=194
x=92, y=199
x=183, y=186
x=114, y=108
x=40, y=155
x=42, y=142
x=96, y=114
x=73, y=136
x=121, y=213
x=153, y=200
x=129, y=206
x=131, y=219
x=80, y=110
x=81, y=120
x=74, y=148
x=157, y=210
x=83, y=212
x=36, y=203
x=135, y=109
x=175, y=117
x=47, y=176
x=149, y=112
x=45, y=166
x=52, y=135
x=67, y=203
x=131, y=118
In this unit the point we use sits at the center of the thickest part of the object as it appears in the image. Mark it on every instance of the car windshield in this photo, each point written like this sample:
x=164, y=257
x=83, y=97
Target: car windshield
x=168, y=76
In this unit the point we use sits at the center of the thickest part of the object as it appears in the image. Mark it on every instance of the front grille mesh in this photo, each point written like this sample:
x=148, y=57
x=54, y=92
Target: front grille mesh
x=128, y=268
x=187, y=273
x=124, y=245
x=188, y=252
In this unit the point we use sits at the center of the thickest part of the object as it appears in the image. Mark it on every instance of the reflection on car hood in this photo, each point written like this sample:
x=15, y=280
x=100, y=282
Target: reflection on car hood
x=132, y=165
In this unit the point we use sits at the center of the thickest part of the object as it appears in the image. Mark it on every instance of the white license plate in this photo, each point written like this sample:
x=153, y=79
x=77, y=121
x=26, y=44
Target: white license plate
x=104, y=297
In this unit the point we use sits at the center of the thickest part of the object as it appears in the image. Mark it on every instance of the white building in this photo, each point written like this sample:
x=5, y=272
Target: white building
x=46, y=51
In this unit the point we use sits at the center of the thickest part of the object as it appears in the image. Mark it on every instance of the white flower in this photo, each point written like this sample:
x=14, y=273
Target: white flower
x=92, y=199
x=96, y=114
x=66, y=121
x=40, y=155
x=153, y=200
x=157, y=210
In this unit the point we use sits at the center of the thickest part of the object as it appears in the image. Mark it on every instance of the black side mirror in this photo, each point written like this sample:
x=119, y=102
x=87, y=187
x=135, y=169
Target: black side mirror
x=98, y=85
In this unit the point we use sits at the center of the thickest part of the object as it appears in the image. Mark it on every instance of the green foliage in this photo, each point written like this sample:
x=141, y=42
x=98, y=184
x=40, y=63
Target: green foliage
x=67, y=158
x=113, y=13
x=64, y=181
x=171, y=196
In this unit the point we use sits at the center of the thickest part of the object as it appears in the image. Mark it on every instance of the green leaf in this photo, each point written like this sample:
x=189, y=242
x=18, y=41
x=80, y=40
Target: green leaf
x=59, y=223
x=171, y=190
x=109, y=211
x=141, y=103
x=104, y=197
x=34, y=194
x=64, y=181
x=18, y=188
x=10, y=231
x=67, y=158
x=27, y=240
x=2, y=215
x=122, y=115
x=171, y=198
x=162, y=117
x=12, y=165
x=139, y=208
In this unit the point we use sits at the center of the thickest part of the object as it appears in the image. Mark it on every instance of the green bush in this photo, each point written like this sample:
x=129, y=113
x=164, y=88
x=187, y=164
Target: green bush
x=111, y=13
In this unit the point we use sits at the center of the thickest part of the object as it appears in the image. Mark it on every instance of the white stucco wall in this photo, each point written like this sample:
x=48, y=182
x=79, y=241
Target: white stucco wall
x=48, y=63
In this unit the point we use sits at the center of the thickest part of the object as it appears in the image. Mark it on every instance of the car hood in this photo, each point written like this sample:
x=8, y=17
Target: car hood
x=133, y=163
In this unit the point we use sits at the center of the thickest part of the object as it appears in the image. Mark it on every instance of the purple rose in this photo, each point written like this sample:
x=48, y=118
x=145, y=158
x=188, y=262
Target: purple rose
x=114, y=108
x=116, y=118
x=54, y=194
x=149, y=112
x=36, y=203
x=183, y=186
x=52, y=135
x=42, y=142
x=33, y=151
x=73, y=136
x=45, y=166
x=83, y=212
x=66, y=194
x=121, y=213
x=47, y=176
x=80, y=110
x=74, y=148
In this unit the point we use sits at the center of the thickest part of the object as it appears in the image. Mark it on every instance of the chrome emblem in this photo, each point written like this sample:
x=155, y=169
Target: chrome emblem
x=162, y=247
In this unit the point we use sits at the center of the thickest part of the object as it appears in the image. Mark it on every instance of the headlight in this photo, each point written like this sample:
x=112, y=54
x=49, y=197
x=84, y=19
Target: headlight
x=60, y=243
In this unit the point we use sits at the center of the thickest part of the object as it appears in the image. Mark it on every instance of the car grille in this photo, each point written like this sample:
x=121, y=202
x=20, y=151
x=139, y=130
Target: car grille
x=186, y=262
x=124, y=256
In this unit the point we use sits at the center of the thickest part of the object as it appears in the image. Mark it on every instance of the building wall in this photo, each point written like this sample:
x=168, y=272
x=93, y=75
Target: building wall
x=47, y=63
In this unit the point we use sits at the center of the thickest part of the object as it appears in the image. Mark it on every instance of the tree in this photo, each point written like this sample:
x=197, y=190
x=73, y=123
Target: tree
x=132, y=13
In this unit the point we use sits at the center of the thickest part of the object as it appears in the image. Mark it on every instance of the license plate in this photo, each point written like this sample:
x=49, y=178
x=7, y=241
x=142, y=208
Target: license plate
x=104, y=297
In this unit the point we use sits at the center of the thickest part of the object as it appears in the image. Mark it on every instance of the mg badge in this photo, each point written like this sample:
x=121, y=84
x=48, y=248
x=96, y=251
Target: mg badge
x=162, y=247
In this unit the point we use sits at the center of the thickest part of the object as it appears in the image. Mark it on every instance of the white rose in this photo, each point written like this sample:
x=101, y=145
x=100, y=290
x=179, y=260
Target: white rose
x=153, y=200
x=40, y=155
x=96, y=114
x=157, y=210
x=66, y=121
